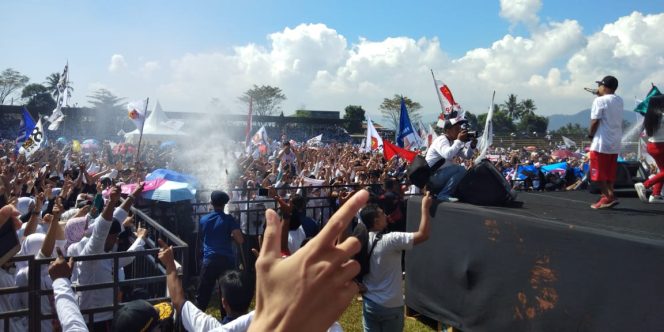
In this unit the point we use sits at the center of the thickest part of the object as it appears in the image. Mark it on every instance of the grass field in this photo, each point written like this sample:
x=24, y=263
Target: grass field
x=351, y=320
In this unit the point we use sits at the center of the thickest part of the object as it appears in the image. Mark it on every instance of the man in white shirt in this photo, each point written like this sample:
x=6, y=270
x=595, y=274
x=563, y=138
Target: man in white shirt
x=382, y=308
x=453, y=143
x=606, y=134
x=104, y=237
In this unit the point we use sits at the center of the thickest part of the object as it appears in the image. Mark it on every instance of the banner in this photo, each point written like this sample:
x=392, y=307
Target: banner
x=315, y=140
x=34, y=141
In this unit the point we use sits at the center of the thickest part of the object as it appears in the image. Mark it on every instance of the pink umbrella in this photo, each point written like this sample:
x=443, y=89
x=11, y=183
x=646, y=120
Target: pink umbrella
x=563, y=154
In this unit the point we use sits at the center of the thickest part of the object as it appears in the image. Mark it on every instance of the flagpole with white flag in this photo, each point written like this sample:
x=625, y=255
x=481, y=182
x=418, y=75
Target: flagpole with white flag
x=63, y=96
x=487, y=136
x=140, y=137
x=435, y=86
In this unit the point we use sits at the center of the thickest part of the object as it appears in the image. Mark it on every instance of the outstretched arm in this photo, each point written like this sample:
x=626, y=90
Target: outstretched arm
x=422, y=233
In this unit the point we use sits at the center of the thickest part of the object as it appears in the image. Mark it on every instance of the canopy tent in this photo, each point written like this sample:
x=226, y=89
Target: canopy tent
x=158, y=128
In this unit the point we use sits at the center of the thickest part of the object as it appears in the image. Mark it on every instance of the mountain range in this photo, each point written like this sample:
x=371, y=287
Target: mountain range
x=583, y=118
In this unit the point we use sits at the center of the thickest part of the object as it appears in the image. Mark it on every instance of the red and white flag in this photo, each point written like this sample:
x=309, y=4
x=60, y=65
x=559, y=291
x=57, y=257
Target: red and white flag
x=373, y=141
x=447, y=102
x=136, y=112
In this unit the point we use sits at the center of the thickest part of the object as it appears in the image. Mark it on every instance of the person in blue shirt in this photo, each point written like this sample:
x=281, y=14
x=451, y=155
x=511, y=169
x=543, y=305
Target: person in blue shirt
x=216, y=231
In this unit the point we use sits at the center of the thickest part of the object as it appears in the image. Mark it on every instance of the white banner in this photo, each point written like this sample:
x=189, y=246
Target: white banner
x=35, y=141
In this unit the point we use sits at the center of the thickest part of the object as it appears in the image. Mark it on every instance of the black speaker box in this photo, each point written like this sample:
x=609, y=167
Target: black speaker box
x=484, y=185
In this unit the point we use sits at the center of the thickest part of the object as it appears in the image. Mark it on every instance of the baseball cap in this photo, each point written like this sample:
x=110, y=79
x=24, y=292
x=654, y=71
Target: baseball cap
x=451, y=122
x=218, y=198
x=609, y=82
x=140, y=315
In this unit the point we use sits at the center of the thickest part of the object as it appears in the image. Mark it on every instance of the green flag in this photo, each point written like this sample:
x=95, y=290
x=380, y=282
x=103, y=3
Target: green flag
x=642, y=107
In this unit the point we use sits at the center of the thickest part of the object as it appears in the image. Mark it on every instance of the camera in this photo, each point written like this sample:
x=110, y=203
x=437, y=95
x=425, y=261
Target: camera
x=472, y=134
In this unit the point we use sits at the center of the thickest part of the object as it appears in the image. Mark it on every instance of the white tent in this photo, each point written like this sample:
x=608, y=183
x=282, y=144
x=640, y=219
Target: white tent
x=158, y=127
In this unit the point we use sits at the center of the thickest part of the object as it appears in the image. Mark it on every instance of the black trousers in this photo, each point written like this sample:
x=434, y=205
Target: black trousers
x=211, y=270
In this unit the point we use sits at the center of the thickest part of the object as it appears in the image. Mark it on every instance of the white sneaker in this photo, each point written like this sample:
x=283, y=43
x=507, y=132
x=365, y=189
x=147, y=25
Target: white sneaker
x=656, y=199
x=641, y=190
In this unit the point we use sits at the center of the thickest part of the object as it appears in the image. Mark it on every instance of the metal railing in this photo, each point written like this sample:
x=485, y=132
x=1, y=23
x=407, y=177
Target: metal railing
x=144, y=271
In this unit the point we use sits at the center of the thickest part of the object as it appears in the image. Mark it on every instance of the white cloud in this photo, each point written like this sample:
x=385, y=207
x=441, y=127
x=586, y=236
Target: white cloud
x=521, y=11
x=316, y=66
x=118, y=63
x=148, y=68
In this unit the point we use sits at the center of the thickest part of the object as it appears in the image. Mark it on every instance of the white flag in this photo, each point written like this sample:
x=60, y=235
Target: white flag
x=568, y=142
x=487, y=137
x=136, y=111
x=447, y=102
x=373, y=141
x=315, y=140
x=62, y=101
x=35, y=141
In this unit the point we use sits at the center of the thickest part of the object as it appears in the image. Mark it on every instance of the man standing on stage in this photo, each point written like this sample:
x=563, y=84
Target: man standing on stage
x=605, y=133
x=216, y=230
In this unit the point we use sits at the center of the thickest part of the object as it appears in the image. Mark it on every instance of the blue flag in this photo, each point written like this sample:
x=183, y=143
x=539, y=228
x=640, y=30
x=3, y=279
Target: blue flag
x=26, y=127
x=406, y=136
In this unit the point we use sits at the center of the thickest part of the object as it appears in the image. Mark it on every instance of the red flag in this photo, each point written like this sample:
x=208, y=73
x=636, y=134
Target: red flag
x=389, y=150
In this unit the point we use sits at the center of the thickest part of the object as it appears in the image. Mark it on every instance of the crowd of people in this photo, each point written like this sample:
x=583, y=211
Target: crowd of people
x=62, y=202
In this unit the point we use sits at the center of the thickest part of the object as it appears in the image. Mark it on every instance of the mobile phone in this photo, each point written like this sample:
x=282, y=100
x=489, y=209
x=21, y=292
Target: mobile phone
x=262, y=192
x=9, y=244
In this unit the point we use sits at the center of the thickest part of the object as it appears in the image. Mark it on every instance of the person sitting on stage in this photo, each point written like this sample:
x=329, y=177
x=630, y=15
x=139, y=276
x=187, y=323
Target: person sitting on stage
x=653, y=124
x=383, y=300
x=443, y=150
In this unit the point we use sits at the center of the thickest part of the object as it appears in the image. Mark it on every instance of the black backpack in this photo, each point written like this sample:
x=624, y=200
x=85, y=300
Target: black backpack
x=364, y=255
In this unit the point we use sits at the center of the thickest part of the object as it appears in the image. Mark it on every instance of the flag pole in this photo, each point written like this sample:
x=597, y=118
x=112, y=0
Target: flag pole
x=435, y=86
x=140, y=137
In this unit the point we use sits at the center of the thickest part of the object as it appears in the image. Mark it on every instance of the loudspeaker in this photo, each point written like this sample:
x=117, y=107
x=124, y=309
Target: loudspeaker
x=484, y=185
x=627, y=174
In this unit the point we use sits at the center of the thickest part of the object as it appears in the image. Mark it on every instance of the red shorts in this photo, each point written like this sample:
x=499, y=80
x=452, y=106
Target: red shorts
x=603, y=166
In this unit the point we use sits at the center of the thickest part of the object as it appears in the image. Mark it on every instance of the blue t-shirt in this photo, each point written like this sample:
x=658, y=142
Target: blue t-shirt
x=216, y=230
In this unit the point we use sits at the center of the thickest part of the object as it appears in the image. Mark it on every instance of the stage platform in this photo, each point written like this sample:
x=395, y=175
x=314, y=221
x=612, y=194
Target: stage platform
x=553, y=264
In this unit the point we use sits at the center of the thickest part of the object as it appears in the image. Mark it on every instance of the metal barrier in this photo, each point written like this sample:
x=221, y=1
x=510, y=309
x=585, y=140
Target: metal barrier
x=143, y=271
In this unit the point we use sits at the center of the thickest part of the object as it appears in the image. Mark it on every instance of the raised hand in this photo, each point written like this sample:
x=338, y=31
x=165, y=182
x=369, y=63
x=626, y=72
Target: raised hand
x=59, y=268
x=309, y=290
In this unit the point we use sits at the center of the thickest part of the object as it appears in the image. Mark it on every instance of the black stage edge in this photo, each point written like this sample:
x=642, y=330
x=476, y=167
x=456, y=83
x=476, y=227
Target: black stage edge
x=553, y=265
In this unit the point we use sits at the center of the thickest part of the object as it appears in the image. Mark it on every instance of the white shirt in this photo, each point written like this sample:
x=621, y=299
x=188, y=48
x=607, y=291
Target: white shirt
x=100, y=271
x=658, y=136
x=69, y=314
x=295, y=239
x=608, y=109
x=384, y=280
x=441, y=148
x=195, y=320
x=8, y=302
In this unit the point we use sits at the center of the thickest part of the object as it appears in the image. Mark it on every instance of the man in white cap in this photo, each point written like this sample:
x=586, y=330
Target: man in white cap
x=440, y=157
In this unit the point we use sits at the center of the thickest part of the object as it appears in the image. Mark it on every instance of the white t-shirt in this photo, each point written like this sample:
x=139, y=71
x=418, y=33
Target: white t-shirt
x=658, y=135
x=383, y=281
x=608, y=109
x=441, y=148
x=295, y=239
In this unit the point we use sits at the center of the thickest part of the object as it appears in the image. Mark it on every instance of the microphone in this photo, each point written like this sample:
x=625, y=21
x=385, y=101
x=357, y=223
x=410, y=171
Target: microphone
x=593, y=91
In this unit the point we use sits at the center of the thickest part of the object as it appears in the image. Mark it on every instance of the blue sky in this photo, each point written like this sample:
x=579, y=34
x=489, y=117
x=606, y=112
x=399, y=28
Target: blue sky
x=177, y=36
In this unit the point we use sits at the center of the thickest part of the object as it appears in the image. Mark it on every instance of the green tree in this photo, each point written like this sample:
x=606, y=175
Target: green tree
x=32, y=90
x=38, y=98
x=571, y=129
x=528, y=107
x=10, y=81
x=502, y=124
x=111, y=113
x=391, y=109
x=533, y=123
x=52, y=85
x=354, y=115
x=473, y=121
x=512, y=107
x=265, y=99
